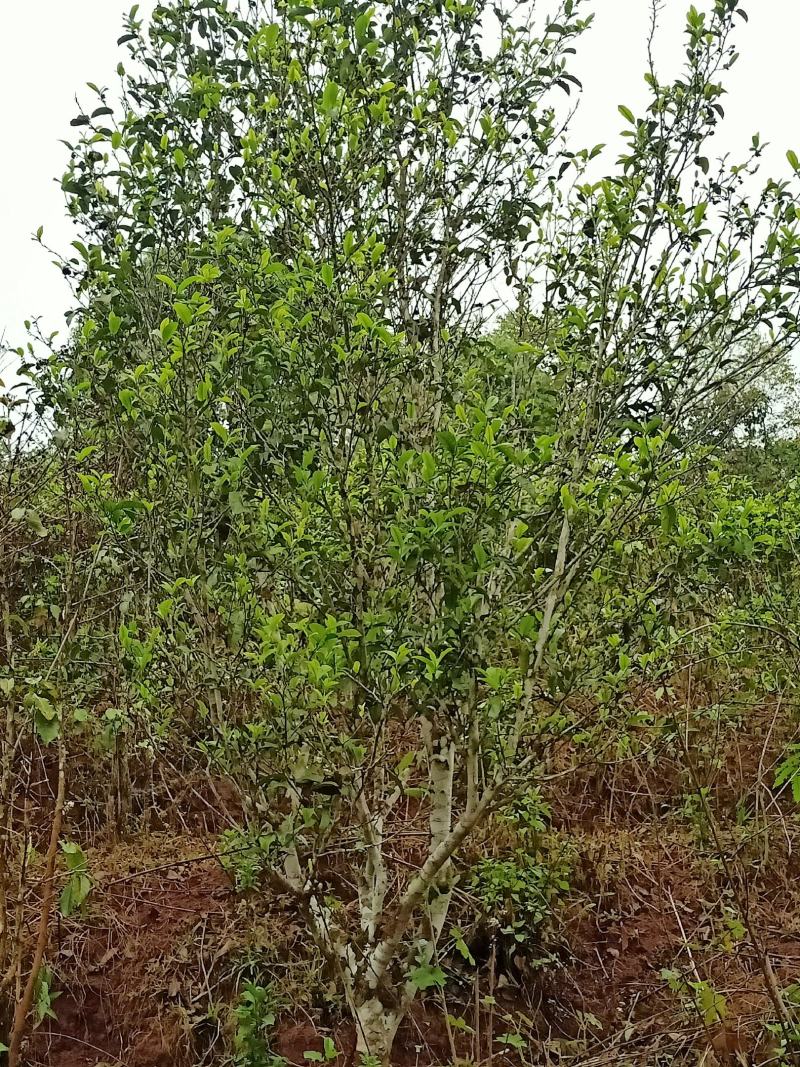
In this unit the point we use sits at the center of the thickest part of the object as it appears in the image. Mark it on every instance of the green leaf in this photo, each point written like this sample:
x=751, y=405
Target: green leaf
x=448, y=440
x=43, y=1001
x=330, y=97
x=79, y=884
x=74, y=894
x=31, y=519
x=460, y=1023
x=46, y=720
x=327, y=275
x=114, y=323
x=329, y=1048
x=627, y=114
x=461, y=945
x=180, y=158
x=789, y=771
x=793, y=160
x=428, y=466
x=669, y=518
x=165, y=607
x=405, y=763
x=428, y=977
x=270, y=35
x=167, y=330
x=209, y=272
x=513, y=1040
x=35, y=523
x=362, y=25
x=712, y=1005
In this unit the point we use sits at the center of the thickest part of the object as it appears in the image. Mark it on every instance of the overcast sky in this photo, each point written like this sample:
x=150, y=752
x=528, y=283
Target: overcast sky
x=49, y=49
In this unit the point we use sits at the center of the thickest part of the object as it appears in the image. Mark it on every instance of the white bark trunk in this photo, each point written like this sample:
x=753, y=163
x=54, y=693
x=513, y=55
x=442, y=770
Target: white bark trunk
x=374, y=881
x=442, y=766
x=323, y=929
x=379, y=959
x=376, y=1027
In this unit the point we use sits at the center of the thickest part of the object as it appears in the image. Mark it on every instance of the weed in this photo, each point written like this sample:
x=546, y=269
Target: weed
x=329, y=1052
x=788, y=772
x=710, y=1005
x=256, y=1014
x=44, y=996
x=245, y=855
x=519, y=891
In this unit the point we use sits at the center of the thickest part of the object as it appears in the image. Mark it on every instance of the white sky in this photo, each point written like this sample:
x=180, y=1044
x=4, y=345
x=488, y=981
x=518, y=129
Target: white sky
x=49, y=49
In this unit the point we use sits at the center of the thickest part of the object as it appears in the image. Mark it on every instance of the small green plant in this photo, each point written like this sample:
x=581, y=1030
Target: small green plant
x=519, y=891
x=694, y=810
x=530, y=815
x=256, y=1014
x=788, y=772
x=785, y=1042
x=427, y=976
x=78, y=885
x=245, y=855
x=44, y=997
x=329, y=1052
x=732, y=931
x=458, y=1022
x=710, y=1005
x=512, y=1040
x=365, y=1060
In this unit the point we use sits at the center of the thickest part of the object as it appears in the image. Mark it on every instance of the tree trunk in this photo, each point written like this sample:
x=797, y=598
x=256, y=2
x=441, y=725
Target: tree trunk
x=376, y=1027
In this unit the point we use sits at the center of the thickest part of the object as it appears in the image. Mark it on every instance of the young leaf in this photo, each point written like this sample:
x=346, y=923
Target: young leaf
x=427, y=977
x=330, y=97
x=271, y=34
x=428, y=466
x=46, y=719
x=513, y=1040
x=167, y=330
